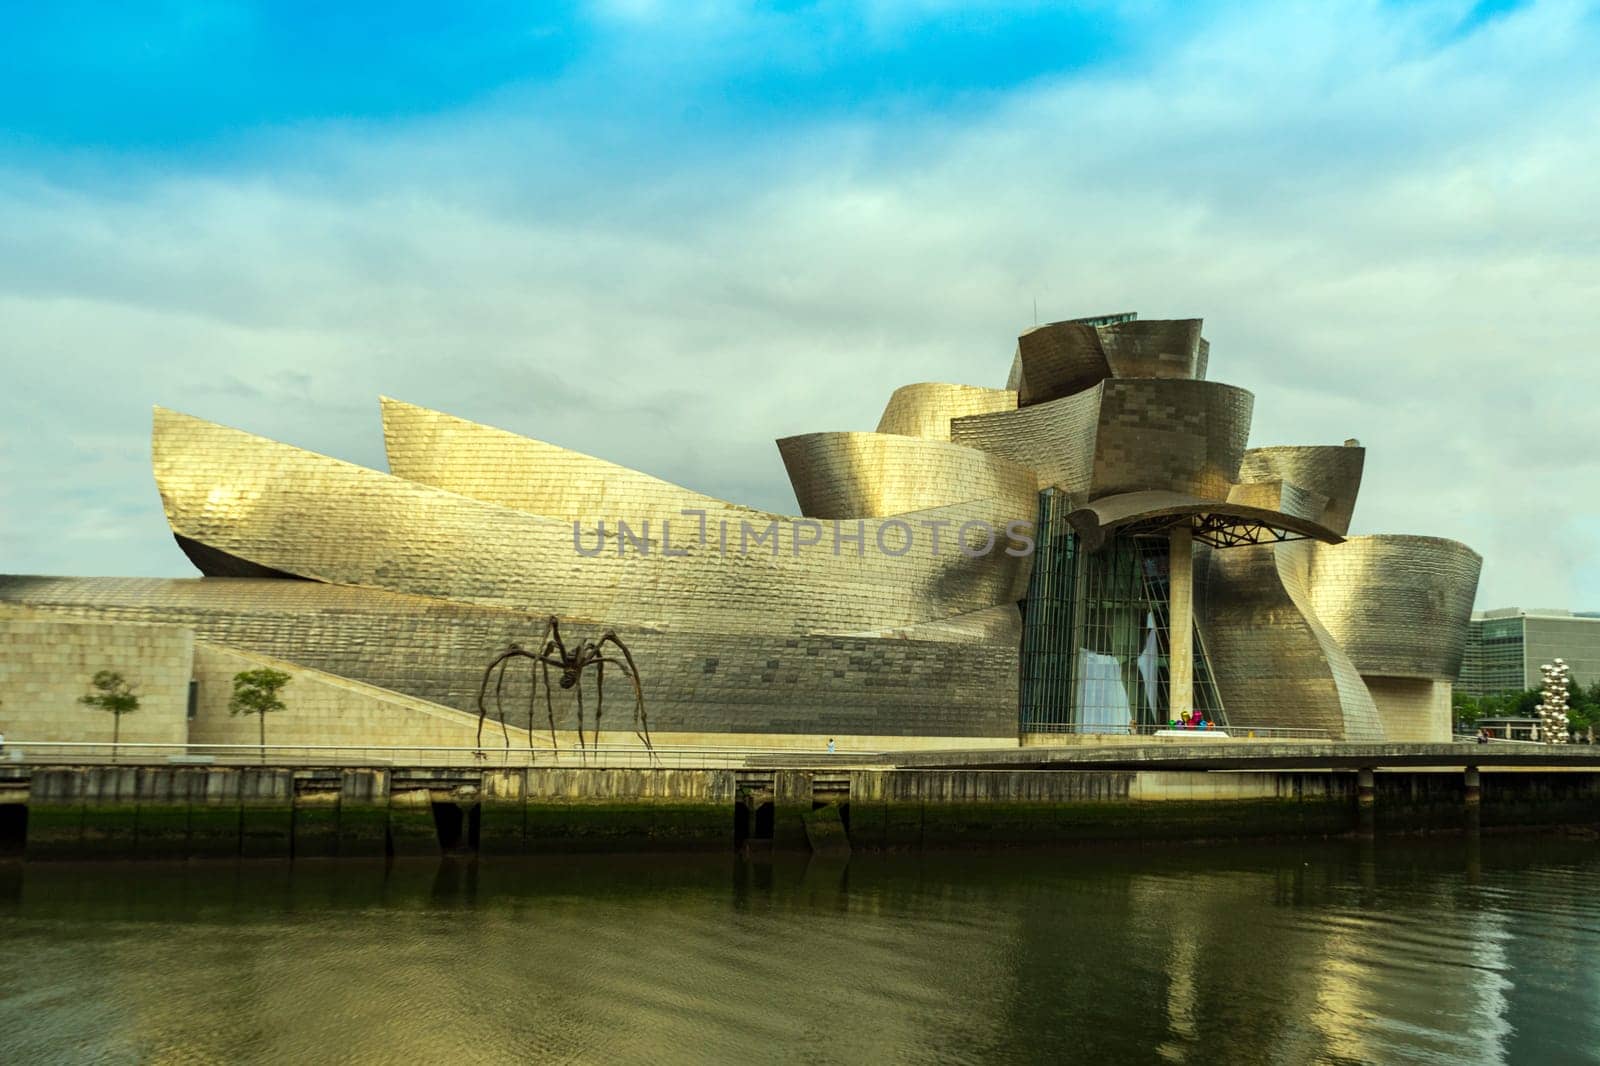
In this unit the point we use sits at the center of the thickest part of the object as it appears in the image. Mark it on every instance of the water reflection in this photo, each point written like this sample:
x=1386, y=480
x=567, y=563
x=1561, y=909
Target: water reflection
x=1348, y=952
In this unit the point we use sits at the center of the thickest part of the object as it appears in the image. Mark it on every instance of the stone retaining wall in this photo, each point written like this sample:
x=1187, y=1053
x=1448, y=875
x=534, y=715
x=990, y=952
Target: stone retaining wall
x=196, y=812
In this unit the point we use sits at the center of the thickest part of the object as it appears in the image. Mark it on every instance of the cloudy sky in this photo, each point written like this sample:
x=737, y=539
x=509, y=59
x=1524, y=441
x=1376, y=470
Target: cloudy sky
x=666, y=234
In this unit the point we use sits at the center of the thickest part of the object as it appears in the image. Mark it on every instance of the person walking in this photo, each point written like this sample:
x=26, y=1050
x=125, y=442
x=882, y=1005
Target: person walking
x=831, y=748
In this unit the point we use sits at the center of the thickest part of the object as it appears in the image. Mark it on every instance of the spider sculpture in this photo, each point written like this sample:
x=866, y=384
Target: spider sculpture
x=553, y=652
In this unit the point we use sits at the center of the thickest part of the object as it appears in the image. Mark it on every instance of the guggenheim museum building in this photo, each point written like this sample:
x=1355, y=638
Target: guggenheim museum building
x=1092, y=549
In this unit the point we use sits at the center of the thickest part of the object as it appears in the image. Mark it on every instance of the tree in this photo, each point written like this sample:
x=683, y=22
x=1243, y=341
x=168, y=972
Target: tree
x=1583, y=706
x=256, y=692
x=112, y=693
x=1469, y=710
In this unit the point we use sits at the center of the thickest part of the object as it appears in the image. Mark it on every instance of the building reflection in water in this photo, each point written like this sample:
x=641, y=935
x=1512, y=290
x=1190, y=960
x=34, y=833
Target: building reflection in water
x=1273, y=955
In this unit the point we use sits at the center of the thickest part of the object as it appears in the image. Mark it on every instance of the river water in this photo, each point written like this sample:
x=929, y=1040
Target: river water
x=1399, y=951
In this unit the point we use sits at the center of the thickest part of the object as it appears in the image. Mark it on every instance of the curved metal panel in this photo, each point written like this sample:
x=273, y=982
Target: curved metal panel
x=1399, y=605
x=1155, y=348
x=1332, y=471
x=213, y=563
x=1181, y=436
x=926, y=408
x=1058, y=360
x=1281, y=496
x=1054, y=439
x=1125, y=436
x=1273, y=661
x=433, y=448
x=293, y=511
x=856, y=475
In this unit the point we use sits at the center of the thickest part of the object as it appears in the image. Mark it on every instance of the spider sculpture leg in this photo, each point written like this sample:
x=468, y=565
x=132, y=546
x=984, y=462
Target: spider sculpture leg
x=578, y=691
x=599, y=696
x=483, y=688
x=549, y=706
x=641, y=723
x=552, y=632
x=499, y=705
x=533, y=678
x=533, y=698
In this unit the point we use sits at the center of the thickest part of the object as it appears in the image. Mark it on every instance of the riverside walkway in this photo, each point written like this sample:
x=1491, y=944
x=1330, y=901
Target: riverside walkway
x=1220, y=754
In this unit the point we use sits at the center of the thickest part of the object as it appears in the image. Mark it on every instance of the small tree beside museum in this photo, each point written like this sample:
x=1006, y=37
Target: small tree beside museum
x=112, y=693
x=256, y=692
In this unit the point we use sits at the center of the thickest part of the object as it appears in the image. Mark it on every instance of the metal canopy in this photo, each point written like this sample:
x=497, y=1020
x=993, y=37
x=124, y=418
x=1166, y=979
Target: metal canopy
x=1217, y=530
x=1218, y=523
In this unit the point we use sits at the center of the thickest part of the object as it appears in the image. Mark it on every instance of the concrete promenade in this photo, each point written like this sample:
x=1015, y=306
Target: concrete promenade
x=1254, y=755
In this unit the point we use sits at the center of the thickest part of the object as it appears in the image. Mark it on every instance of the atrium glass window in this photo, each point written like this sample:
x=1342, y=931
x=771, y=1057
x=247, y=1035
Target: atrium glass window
x=1096, y=648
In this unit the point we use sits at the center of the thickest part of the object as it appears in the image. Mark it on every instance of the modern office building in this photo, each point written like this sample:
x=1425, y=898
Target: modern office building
x=1506, y=647
x=1092, y=548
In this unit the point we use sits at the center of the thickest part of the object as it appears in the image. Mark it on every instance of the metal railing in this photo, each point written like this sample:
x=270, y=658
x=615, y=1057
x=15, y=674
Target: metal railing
x=1472, y=738
x=69, y=753
x=1133, y=731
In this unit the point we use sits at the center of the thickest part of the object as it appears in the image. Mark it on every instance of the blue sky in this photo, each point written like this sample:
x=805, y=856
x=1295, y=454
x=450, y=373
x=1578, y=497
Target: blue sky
x=180, y=79
x=668, y=233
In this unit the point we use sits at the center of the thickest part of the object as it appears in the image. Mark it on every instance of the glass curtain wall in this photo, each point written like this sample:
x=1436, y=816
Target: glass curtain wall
x=1095, y=648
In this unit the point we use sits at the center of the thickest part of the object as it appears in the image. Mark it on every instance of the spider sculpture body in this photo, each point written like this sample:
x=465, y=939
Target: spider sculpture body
x=552, y=651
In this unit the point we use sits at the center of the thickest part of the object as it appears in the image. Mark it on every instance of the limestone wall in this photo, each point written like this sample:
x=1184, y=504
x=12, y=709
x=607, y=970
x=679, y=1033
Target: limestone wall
x=1413, y=710
x=322, y=708
x=46, y=664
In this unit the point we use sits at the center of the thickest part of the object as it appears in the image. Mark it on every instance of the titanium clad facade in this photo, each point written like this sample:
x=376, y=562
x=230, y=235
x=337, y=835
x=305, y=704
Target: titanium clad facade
x=1331, y=472
x=926, y=409
x=1180, y=436
x=1156, y=349
x=1057, y=360
x=1055, y=439
x=1399, y=606
x=1125, y=435
x=449, y=453
x=254, y=500
x=1269, y=650
x=851, y=475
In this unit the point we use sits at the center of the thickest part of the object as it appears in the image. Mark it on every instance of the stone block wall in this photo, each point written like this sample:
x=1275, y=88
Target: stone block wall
x=320, y=708
x=1414, y=710
x=46, y=664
